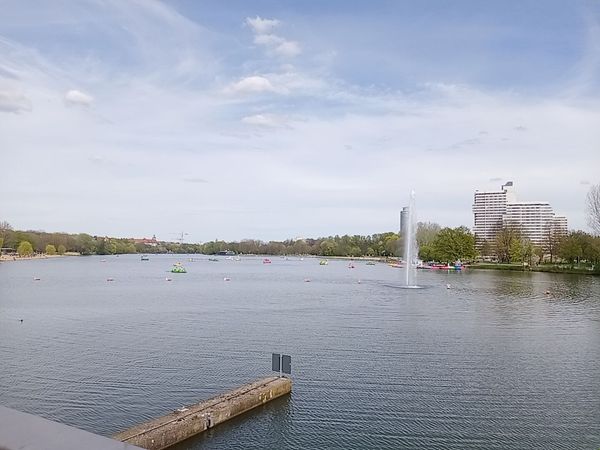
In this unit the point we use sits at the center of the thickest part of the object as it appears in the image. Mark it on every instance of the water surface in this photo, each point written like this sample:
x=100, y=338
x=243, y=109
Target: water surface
x=493, y=362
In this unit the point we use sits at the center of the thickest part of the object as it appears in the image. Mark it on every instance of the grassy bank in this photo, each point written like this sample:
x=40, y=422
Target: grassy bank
x=586, y=270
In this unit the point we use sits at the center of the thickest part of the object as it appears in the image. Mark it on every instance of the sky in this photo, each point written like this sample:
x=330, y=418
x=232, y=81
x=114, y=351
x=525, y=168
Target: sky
x=280, y=119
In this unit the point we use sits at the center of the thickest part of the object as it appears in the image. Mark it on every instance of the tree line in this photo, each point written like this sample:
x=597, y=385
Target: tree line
x=512, y=246
x=447, y=244
x=434, y=242
x=30, y=242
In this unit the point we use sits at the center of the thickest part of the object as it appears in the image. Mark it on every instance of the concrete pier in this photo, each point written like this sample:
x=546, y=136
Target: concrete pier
x=186, y=422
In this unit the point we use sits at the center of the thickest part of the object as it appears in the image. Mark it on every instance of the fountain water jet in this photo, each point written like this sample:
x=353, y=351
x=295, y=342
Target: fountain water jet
x=409, y=238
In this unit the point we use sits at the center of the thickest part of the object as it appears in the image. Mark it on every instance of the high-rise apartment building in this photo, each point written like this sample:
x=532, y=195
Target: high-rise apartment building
x=559, y=225
x=489, y=208
x=494, y=209
x=532, y=218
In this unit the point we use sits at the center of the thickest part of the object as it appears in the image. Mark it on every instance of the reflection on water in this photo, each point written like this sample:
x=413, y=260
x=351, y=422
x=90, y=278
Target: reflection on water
x=479, y=359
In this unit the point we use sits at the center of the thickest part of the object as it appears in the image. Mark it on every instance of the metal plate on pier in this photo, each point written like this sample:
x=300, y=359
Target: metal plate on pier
x=286, y=364
x=275, y=362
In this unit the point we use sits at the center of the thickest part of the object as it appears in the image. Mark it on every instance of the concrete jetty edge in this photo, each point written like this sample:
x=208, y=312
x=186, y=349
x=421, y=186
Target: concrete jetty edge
x=165, y=431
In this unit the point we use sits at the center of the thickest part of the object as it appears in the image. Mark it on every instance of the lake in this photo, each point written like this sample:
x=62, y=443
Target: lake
x=494, y=362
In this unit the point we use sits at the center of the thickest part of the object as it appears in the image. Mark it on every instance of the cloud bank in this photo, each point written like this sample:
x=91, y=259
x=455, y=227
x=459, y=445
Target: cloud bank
x=212, y=130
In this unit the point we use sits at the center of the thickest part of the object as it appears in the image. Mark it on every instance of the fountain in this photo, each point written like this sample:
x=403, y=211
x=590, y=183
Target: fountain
x=410, y=254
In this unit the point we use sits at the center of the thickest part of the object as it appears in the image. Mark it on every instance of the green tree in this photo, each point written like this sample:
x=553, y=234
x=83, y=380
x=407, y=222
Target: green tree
x=571, y=248
x=101, y=246
x=516, y=250
x=50, y=249
x=328, y=248
x=84, y=244
x=25, y=249
x=61, y=249
x=504, y=242
x=111, y=248
x=426, y=234
x=454, y=244
x=427, y=252
x=391, y=245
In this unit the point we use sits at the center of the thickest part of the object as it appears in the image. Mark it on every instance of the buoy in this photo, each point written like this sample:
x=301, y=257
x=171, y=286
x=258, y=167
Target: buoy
x=226, y=279
x=110, y=279
x=547, y=292
x=36, y=279
x=358, y=281
x=21, y=320
x=168, y=279
x=447, y=286
x=307, y=280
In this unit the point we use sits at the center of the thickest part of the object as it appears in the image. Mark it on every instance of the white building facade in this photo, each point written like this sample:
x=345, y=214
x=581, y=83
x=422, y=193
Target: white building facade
x=494, y=209
x=489, y=208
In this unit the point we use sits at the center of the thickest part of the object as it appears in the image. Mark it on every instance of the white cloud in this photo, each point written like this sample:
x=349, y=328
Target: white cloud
x=287, y=83
x=268, y=39
x=262, y=26
x=275, y=45
x=288, y=49
x=75, y=97
x=266, y=120
x=250, y=85
x=14, y=102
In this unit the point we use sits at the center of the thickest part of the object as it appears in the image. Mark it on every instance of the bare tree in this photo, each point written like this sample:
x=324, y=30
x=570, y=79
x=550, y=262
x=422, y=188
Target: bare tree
x=593, y=208
x=5, y=227
x=552, y=240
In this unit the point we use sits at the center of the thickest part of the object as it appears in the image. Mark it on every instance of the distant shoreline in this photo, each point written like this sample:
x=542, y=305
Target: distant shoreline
x=10, y=258
x=544, y=269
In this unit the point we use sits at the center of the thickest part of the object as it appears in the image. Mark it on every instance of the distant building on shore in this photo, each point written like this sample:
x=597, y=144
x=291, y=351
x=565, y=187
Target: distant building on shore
x=493, y=210
x=150, y=242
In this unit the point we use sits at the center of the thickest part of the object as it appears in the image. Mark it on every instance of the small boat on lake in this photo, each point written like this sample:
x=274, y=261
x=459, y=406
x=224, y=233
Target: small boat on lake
x=266, y=261
x=370, y=263
x=323, y=262
x=213, y=259
x=145, y=258
x=178, y=268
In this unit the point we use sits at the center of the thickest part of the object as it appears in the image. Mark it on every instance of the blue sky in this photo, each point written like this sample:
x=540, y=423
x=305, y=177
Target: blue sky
x=275, y=119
